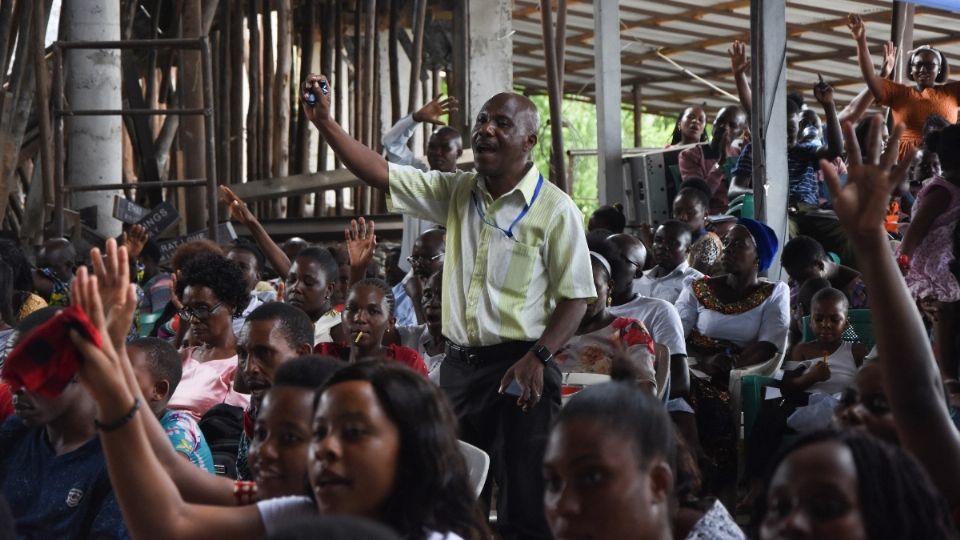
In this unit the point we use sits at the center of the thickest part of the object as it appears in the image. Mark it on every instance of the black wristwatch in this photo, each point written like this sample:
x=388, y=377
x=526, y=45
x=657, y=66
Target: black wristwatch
x=542, y=353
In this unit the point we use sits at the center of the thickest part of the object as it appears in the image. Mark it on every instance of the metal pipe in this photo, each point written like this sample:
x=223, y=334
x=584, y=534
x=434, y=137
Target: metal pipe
x=139, y=185
x=184, y=43
x=130, y=112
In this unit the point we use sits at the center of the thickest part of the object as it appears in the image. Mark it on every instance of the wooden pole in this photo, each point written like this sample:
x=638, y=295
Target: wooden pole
x=557, y=164
x=369, y=74
x=236, y=95
x=43, y=102
x=281, y=89
x=326, y=67
x=253, y=106
x=340, y=85
x=416, y=62
x=192, y=129
x=357, y=109
x=393, y=51
x=561, y=39
x=266, y=143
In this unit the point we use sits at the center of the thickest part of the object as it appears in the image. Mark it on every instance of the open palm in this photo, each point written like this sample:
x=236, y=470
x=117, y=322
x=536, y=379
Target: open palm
x=862, y=203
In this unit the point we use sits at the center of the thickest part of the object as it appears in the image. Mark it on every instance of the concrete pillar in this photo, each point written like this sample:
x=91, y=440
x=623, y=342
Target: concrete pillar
x=92, y=81
x=768, y=31
x=491, y=52
x=606, y=51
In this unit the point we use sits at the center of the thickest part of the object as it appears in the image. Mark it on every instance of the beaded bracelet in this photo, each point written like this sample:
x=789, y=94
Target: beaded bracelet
x=244, y=492
x=113, y=426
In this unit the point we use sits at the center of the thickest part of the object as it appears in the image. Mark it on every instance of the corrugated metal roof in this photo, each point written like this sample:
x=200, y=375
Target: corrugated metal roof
x=696, y=35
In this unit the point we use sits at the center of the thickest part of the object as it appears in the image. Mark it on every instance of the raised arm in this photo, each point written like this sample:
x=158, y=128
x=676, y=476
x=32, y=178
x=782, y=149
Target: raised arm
x=911, y=376
x=239, y=211
x=361, y=240
x=859, y=105
x=834, y=147
x=112, y=282
x=139, y=481
x=740, y=65
x=369, y=166
x=395, y=140
x=859, y=32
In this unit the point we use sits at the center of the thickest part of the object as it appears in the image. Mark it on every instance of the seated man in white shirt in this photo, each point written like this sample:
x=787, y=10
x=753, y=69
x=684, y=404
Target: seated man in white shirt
x=672, y=274
x=659, y=316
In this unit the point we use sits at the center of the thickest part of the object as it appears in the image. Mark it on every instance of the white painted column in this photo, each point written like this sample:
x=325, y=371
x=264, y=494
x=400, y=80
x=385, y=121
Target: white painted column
x=92, y=81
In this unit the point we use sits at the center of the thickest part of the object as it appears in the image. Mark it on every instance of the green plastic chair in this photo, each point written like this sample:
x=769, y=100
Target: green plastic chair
x=147, y=322
x=752, y=396
x=728, y=165
x=675, y=173
x=741, y=206
x=859, y=331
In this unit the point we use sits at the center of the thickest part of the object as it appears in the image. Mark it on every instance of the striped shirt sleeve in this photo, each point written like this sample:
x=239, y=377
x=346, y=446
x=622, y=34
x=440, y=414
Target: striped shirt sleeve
x=567, y=258
x=423, y=194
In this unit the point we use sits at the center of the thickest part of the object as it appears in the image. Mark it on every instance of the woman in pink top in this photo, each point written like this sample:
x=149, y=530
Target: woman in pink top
x=212, y=287
x=706, y=160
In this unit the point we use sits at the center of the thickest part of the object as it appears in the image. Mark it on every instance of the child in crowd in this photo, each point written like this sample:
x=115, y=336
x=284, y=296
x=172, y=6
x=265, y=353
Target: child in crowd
x=927, y=251
x=672, y=273
x=158, y=369
x=368, y=314
x=827, y=364
x=690, y=206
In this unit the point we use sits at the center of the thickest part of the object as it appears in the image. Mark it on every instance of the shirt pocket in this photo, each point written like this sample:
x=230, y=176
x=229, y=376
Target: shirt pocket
x=512, y=265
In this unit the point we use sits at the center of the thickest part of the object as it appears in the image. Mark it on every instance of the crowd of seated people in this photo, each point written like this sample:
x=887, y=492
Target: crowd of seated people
x=516, y=369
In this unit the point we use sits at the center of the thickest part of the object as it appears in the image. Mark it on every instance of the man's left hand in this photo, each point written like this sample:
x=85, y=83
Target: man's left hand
x=528, y=372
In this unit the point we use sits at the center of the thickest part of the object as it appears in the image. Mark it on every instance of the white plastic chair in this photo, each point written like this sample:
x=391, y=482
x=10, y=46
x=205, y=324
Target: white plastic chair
x=766, y=369
x=574, y=382
x=661, y=367
x=478, y=463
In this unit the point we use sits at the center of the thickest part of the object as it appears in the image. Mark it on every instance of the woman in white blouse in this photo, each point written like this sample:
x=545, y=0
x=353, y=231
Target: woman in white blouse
x=733, y=320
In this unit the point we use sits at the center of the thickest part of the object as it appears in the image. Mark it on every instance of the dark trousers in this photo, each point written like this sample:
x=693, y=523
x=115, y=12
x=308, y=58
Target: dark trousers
x=514, y=439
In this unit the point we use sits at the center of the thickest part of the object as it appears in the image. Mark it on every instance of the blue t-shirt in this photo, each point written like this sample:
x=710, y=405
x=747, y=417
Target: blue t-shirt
x=403, y=310
x=802, y=166
x=65, y=497
x=187, y=439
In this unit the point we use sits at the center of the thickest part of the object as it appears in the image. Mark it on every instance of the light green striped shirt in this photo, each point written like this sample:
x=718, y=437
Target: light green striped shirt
x=497, y=288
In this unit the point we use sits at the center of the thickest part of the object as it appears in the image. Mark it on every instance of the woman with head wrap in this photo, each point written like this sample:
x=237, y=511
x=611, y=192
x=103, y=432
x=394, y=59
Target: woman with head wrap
x=732, y=320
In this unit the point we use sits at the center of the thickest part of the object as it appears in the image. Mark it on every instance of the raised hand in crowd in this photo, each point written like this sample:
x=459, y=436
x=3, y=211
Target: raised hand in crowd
x=114, y=289
x=738, y=57
x=241, y=212
x=368, y=165
x=361, y=240
x=435, y=108
x=911, y=376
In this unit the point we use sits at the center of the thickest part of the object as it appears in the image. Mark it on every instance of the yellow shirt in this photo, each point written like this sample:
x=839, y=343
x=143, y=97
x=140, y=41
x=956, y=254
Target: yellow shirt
x=499, y=288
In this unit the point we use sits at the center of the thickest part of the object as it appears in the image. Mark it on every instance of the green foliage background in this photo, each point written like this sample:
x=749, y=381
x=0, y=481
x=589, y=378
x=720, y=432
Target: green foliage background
x=580, y=131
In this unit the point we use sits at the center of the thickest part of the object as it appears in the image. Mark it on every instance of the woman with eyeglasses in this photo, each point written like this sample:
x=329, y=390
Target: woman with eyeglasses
x=910, y=105
x=211, y=289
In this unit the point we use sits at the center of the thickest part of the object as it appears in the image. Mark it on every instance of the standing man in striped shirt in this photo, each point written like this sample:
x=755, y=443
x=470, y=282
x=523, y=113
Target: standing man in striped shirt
x=517, y=280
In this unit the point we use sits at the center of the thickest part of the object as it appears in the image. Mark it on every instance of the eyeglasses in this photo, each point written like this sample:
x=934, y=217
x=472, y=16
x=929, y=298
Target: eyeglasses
x=199, y=314
x=423, y=261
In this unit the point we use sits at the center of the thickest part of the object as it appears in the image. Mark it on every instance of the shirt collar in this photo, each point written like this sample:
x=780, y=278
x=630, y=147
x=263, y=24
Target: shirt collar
x=527, y=186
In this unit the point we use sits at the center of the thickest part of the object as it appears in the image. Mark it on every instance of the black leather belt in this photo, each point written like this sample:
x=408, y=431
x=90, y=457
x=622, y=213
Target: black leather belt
x=477, y=356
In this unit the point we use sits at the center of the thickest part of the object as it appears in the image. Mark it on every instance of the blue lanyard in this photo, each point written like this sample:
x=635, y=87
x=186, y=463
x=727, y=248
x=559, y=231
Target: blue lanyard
x=526, y=208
